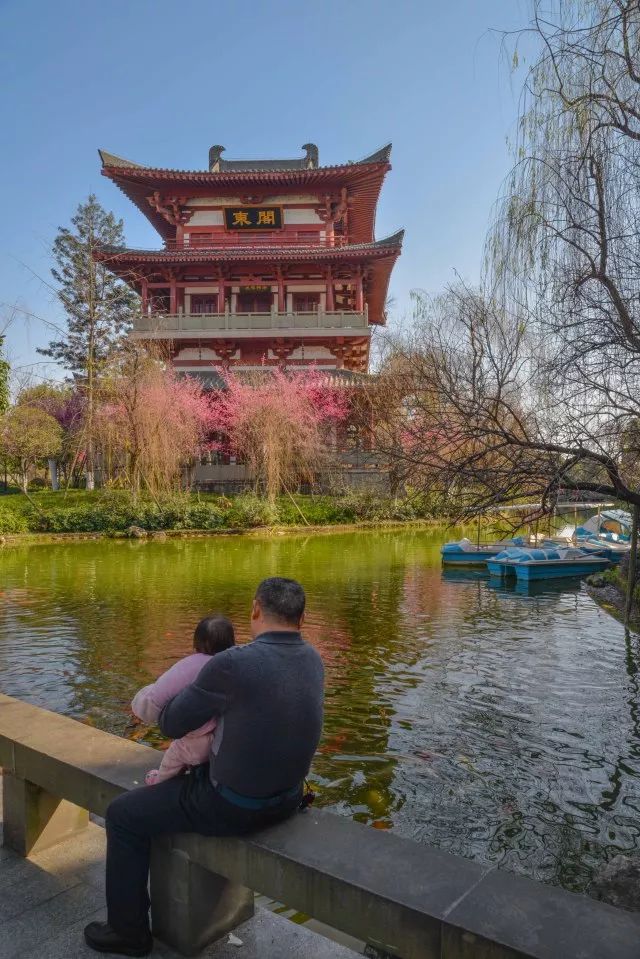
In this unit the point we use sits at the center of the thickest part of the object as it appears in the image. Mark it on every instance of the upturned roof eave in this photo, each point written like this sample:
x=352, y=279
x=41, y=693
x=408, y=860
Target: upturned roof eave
x=365, y=177
x=388, y=246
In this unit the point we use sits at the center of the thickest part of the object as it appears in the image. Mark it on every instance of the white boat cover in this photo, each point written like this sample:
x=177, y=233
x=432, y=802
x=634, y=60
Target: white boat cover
x=595, y=523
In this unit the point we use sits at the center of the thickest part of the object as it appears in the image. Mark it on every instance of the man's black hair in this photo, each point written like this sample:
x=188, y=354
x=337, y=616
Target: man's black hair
x=213, y=634
x=281, y=599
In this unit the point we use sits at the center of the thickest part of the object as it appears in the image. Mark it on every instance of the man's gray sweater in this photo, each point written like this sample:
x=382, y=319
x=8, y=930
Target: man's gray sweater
x=268, y=696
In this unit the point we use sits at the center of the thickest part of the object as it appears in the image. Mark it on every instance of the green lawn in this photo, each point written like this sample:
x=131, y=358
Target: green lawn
x=45, y=499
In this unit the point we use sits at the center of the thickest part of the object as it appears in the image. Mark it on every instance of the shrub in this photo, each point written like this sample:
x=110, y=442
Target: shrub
x=205, y=516
x=76, y=519
x=248, y=511
x=119, y=514
x=365, y=505
x=39, y=482
x=11, y=522
x=320, y=511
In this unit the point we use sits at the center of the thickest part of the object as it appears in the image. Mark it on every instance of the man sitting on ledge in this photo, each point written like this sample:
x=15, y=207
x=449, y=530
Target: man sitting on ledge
x=268, y=695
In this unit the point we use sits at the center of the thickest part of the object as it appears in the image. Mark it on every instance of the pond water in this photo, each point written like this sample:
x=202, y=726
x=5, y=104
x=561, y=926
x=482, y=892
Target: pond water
x=497, y=724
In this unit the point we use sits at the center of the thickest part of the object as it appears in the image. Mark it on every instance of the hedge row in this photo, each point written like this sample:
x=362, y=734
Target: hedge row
x=116, y=513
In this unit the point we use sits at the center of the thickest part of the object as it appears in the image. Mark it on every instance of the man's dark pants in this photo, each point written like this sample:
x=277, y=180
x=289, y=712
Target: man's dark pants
x=186, y=804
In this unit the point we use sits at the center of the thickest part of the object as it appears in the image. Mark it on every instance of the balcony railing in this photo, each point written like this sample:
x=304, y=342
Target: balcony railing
x=162, y=324
x=286, y=238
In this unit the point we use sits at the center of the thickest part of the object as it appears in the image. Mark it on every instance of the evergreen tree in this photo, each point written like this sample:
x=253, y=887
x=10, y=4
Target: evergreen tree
x=4, y=380
x=98, y=305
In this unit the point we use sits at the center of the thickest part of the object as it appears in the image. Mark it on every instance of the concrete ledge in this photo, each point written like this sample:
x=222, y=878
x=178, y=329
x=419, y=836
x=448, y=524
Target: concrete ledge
x=46, y=900
x=84, y=765
x=411, y=900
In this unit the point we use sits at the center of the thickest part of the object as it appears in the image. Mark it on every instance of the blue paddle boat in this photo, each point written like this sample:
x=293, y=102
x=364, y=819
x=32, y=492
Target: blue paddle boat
x=548, y=562
x=592, y=545
x=610, y=550
x=466, y=553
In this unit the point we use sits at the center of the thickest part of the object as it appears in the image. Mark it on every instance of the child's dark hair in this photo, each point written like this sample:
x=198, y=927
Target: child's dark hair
x=213, y=634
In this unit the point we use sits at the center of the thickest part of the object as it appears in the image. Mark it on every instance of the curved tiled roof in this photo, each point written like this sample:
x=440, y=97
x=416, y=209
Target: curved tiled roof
x=379, y=257
x=387, y=245
x=306, y=164
x=363, y=179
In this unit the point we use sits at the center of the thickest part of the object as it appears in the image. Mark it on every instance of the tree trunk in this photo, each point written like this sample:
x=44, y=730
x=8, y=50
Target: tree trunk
x=91, y=360
x=633, y=565
x=134, y=476
x=53, y=474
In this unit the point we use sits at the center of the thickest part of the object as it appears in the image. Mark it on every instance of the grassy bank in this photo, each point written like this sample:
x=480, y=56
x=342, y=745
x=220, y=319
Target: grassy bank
x=114, y=513
x=609, y=589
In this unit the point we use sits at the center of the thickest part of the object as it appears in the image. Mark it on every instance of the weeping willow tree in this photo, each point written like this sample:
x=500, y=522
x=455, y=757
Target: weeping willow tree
x=530, y=386
x=565, y=246
x=545, y=357
x=564, y=252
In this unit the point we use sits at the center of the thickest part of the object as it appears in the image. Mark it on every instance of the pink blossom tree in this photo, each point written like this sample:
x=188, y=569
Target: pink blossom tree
x=280, y=423
x=67, y=406
x=150, y=424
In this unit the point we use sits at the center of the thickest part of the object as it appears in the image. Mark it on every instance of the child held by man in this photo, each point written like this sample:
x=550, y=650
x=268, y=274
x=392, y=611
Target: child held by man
x=212, y=635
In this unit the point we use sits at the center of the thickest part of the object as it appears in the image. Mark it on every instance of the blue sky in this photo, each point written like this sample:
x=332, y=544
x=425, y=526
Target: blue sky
x=159, y=81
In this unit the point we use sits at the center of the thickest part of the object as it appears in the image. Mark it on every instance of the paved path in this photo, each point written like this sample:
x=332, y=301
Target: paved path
x=46, y=901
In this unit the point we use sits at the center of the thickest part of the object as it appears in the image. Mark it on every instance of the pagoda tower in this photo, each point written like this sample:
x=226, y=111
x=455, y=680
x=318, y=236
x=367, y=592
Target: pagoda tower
x=265, y=262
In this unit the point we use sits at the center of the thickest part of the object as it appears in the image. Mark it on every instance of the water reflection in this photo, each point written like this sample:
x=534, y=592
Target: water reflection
x=497, y=722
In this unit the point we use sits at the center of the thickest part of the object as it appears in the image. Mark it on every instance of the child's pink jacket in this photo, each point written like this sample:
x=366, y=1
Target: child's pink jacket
x=195, y=747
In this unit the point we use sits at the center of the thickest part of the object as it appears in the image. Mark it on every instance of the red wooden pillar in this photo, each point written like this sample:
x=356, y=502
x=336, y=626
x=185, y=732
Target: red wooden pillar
x=359, y=292
x=173, y=296
x=145, y=296
x=331, y=303
x=330, y=233
x=221, y=295
x=281, y=301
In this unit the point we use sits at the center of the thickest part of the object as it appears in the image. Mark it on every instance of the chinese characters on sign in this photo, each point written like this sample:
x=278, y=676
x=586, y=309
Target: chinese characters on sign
x=253, y=218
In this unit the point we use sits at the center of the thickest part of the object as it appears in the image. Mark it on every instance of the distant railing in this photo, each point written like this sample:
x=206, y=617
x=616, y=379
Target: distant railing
x=217, y=240
x=161, y=323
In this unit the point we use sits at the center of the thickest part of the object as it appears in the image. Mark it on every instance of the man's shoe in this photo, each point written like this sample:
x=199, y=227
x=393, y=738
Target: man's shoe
x=101, y=937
